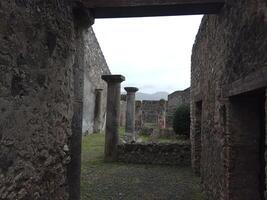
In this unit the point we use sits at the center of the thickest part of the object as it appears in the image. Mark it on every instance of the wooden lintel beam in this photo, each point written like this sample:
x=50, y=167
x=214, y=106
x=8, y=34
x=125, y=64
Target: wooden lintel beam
x=144, y=8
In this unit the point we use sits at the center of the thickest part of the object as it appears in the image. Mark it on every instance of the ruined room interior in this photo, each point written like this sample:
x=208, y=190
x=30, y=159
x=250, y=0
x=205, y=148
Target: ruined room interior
x=45, y=48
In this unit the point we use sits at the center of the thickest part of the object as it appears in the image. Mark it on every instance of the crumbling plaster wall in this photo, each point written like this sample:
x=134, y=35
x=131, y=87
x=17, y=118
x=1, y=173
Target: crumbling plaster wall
x=229, y=47
x=41, y=93
x=95, y=66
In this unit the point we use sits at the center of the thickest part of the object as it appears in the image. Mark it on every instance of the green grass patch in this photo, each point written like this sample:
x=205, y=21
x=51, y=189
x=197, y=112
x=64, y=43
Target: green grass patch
x=104, y=181
x=93, y=149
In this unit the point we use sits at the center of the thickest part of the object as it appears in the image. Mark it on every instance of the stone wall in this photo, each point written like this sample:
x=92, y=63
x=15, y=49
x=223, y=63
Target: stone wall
x=175, y=100
x=45, y=47
x=147, y=113
x=153, y=112
x=38, y=63
x=229, y=60
x=159, y=114
x=95, y=66
x=162, y=154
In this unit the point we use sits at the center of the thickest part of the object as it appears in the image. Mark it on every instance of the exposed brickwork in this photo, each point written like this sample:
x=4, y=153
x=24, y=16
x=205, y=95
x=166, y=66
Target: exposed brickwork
x=229, y=48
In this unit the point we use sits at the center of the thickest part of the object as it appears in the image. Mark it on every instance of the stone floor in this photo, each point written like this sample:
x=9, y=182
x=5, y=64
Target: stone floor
x=107, y=181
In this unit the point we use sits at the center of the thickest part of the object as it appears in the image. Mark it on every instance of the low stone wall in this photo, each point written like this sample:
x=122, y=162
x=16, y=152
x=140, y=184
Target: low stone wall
x=163, y=154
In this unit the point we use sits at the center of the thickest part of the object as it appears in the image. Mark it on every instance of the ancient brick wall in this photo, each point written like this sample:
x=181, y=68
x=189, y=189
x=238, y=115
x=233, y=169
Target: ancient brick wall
x=229, y=56
x=95, y=66
x=163, y=154
x=175, y=100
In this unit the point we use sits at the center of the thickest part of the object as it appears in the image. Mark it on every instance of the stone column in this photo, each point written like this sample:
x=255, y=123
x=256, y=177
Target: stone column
x=113, y=115
x=138, y=116
x=83, y=19
x=98, y=110
x=123, y=111
x=130, y=114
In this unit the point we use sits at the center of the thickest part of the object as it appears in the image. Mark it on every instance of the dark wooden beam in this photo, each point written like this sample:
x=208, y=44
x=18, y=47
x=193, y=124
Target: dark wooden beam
x=145, y=8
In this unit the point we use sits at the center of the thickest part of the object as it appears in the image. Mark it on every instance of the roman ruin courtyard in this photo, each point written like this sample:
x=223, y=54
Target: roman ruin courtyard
x=56, y=87
x=105, y=181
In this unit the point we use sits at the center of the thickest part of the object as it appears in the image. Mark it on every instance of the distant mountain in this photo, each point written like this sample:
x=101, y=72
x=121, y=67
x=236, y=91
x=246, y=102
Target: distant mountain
x=156, y=96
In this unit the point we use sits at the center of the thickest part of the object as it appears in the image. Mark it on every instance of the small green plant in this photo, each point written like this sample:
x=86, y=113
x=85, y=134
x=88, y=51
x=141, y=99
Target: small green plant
x=181, y=121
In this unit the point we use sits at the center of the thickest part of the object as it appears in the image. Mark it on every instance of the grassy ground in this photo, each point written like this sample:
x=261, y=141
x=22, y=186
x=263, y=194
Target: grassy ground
x=107, y=181
x=146, y=138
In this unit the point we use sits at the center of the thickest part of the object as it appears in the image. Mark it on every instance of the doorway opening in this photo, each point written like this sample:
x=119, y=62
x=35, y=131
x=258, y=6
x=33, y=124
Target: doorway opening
x=247, y=146
x=155, y=67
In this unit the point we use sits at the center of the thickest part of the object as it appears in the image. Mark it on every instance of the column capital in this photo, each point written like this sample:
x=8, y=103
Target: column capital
x=131, y=89
x=113, y=78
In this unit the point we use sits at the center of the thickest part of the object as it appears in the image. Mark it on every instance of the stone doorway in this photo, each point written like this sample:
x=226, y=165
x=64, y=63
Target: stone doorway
x=246, y=169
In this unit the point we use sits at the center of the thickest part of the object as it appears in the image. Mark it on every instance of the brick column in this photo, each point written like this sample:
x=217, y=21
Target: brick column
x=83, y=19
x=113, y=115
x=130, y=114
x=98, y=110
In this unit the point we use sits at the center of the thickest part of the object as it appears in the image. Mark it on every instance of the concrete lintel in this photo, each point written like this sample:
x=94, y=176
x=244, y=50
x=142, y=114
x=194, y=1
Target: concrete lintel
x=145, y=8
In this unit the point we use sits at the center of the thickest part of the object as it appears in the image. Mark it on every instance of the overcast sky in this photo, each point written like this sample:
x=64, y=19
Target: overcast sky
x=154, y=54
